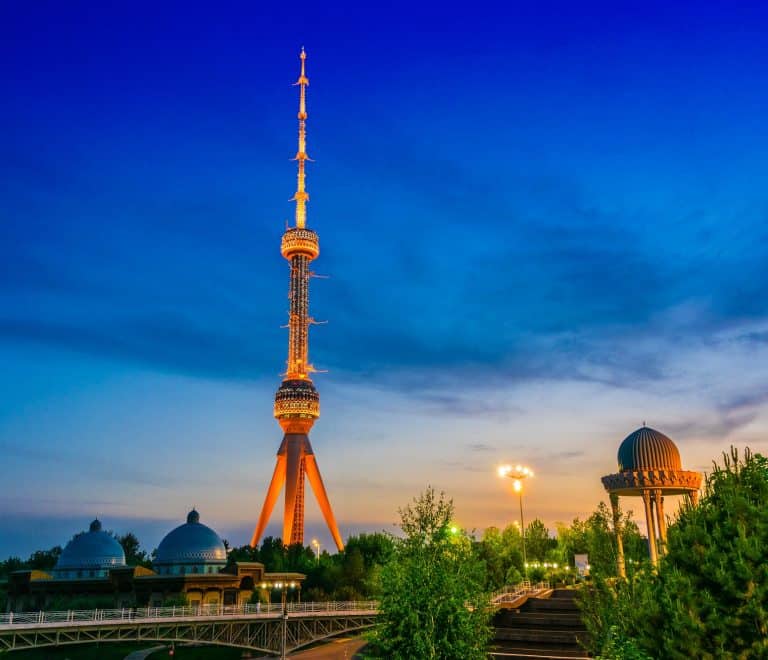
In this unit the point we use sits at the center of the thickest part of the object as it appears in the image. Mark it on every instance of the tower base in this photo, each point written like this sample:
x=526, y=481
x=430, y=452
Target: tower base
x=295, y=459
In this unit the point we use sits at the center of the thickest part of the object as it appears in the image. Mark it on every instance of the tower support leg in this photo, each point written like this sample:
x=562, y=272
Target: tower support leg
x=316, y=481
x=275, y=486
x=294, y=475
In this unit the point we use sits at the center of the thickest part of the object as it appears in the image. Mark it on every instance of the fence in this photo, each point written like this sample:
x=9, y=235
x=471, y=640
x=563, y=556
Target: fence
x=155, y=613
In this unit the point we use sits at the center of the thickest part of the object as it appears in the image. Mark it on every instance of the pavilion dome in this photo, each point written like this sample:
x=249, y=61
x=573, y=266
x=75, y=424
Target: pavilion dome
x=191, y=543
x=94, y=550
x=648, y=449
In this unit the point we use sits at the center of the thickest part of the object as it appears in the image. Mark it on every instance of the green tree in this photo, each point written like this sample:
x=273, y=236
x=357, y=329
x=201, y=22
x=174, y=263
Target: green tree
x=134, y=555
x=709, y=597
x=433, y=602
x=44, y=560
x=538, y=542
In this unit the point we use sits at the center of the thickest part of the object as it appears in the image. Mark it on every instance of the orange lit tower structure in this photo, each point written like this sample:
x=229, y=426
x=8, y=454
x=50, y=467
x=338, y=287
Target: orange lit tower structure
x=297, y=403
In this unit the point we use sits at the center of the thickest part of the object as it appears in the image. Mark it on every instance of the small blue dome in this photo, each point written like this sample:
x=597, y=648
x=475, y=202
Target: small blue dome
x=91, y=550
x=191, y=543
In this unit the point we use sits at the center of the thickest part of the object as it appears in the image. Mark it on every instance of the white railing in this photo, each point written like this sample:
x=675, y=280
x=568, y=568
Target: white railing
x=128, y=614
x=512, y=593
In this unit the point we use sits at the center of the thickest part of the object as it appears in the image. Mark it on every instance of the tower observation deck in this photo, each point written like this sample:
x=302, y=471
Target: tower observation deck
x=297, y=402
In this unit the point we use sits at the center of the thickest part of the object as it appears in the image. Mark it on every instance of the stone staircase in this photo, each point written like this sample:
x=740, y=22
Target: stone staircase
x=547, y=627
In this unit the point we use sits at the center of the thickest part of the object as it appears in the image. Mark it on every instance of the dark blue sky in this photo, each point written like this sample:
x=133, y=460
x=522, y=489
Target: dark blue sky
x=543, y=222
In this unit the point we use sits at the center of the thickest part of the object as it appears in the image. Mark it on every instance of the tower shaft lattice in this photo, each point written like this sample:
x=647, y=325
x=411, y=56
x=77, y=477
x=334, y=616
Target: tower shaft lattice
x=297, y=402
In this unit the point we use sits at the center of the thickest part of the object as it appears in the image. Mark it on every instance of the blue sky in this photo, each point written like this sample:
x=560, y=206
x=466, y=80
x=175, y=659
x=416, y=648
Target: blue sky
x=543, y=224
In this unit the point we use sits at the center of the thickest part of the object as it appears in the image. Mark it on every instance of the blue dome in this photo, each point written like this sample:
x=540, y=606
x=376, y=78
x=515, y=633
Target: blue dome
x=91, y=550
x=191, y=543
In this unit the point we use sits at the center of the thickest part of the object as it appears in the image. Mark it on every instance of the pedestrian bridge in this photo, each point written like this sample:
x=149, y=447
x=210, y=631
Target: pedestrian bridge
x=271, y=628
x=268, y=628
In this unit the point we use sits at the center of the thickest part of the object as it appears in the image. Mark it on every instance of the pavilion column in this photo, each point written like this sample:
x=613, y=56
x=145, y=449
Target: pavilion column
x=651, y=526
x=662, y=520
x=694, y=495
x=617, y=531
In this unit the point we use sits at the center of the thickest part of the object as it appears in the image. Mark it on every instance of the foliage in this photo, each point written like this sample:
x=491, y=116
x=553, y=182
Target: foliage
x=709, y=597
x=538, y=541
x=178, y=600
x=352, y=574
x=595, y=538
x=433, y=602
x=134, y=555
x=64, y=602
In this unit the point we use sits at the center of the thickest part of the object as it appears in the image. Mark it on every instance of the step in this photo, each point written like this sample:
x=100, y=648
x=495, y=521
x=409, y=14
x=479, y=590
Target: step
x=551, y=605
x=509, y=619
x=540, y=635
x=536, y=650
x=569, y=594
x=538, y=654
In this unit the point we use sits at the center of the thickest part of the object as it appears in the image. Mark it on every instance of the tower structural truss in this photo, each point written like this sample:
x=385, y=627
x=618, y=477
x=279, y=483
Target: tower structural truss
x=297, y=402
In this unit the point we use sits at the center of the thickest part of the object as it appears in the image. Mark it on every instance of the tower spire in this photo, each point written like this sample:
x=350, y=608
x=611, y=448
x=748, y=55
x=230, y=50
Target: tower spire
x=302, y=197
x=297, y=402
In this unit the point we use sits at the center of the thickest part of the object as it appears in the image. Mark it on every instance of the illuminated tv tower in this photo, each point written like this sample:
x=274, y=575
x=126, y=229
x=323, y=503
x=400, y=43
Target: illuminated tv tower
x=297, y=403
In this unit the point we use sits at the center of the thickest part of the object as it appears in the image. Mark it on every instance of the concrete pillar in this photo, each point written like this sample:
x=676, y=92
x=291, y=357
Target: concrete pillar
x=651, y=527
x=617, y=531
x=662, y=520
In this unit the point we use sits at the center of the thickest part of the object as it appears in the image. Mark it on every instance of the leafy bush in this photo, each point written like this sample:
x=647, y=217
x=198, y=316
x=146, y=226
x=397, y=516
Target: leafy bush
x=433, y=602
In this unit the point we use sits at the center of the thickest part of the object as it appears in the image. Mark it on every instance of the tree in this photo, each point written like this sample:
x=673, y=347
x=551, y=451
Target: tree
x=433, y=602
x=538, y=541
x=709, y=596
x=44, y=560
x=134, y=555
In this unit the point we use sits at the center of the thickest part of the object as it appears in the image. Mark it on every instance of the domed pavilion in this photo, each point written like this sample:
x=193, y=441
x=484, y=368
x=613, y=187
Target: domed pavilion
x=190, y=565
x=90, y=554
x=649, y=467
x=190, y=548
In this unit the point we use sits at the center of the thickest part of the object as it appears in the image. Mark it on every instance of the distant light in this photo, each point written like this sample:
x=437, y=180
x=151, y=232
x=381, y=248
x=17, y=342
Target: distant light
x=454, y=529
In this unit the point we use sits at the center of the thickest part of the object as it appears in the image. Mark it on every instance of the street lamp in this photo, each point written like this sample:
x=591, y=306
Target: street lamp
x=316, y=546
x=283, y=587
x=518, y=473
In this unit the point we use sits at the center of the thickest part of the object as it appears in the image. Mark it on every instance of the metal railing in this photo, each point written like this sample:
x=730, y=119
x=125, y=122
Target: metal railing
x=514, y=592
x=128, y=614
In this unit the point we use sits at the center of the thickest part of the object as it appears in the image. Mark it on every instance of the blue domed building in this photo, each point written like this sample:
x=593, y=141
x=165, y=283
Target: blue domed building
x=649, y=467
x=190, y=548
x=190, y=565
x=90, y=554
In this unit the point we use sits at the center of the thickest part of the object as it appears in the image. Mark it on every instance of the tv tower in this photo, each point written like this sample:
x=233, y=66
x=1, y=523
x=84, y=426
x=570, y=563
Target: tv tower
x=297, y=403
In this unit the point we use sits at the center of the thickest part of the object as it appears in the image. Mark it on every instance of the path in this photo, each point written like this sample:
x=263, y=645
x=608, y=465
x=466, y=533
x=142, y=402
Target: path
x=344, y=648
x=143, y=653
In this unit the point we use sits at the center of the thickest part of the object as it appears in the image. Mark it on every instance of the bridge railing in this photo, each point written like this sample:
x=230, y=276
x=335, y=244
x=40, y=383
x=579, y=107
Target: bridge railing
x=153, y=613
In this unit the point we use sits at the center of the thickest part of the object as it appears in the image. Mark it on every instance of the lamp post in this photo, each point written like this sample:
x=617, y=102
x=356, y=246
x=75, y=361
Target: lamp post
x=316, y=546
x=518, y=473
x=283, y=587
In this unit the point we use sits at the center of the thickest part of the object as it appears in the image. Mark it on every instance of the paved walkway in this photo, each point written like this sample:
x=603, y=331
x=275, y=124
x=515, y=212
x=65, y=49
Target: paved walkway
x=344, y=648
x=141, y=655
